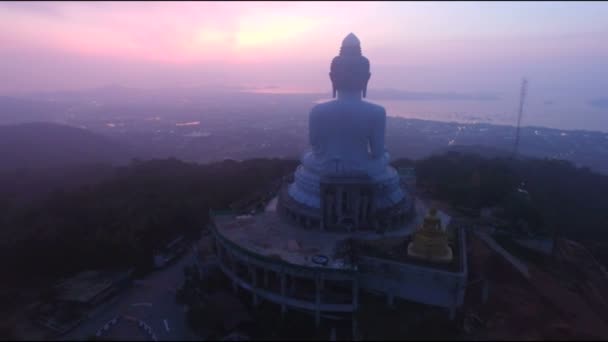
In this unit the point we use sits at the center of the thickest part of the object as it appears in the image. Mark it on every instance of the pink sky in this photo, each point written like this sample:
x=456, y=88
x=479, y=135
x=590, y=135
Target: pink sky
x=484, y=47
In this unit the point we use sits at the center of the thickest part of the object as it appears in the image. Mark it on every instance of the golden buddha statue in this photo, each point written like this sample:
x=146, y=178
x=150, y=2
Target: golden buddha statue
x=430, y=241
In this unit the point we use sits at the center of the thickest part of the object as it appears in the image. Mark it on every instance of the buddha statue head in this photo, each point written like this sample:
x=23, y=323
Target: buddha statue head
x=349, y=70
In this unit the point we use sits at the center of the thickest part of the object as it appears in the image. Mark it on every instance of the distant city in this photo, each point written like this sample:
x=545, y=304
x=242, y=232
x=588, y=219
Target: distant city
x=204, y=125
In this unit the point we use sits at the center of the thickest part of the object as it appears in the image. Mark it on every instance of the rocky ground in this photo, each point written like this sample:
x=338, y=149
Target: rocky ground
x=552, y=304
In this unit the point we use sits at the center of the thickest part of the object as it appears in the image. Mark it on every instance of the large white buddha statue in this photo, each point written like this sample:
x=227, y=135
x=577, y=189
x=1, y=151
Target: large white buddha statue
x=347, y=135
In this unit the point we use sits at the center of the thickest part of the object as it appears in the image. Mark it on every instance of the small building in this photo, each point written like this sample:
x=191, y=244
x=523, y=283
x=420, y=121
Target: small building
x=75, y=297
x=90, y=288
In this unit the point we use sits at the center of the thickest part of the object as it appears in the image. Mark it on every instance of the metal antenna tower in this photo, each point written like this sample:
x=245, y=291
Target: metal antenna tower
x=522, y=97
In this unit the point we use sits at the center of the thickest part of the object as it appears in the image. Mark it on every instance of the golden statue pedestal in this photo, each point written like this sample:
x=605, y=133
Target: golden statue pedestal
x=430, y=241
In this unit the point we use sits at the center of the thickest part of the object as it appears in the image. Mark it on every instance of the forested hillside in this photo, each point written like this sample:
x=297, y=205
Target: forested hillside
x=136, y=209
x=126, y=218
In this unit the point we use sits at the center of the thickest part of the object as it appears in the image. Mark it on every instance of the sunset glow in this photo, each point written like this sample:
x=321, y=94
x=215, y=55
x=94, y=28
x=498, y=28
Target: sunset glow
x=418, y=45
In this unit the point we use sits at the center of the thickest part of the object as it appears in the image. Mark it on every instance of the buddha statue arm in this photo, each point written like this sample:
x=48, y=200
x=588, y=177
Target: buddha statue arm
x=376, y=140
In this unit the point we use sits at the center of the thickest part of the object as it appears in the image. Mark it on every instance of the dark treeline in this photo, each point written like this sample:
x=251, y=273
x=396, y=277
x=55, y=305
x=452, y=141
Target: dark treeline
x=541, y=196
x=124, y=219
x=135, y=210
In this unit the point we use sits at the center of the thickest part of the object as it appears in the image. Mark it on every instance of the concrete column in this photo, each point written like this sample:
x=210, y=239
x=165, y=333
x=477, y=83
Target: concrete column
x=356, y=293
x=485, y=291
x=254, y=285
x=235, y=287
x=317, y=301
x=218, y=251
x=221, y=252
x=354, y=328
x=356, y=209
x=363, y=209
x=266, y=278
x=328, y=210
x=283, y=294
x=338, y=202
x=292, y=285
x=324, y=211
x=233, y=268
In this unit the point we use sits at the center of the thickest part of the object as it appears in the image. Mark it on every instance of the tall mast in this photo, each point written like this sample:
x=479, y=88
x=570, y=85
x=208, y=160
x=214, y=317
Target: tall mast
x=522, y=96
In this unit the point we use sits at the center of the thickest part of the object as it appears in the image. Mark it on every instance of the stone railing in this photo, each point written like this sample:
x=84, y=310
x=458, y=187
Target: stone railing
x=106, y=327
x=147, y=329
x=140, y=324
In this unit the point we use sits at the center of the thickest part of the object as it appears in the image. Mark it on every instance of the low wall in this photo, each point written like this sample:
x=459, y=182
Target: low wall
x=427, y=286
x=415, y=283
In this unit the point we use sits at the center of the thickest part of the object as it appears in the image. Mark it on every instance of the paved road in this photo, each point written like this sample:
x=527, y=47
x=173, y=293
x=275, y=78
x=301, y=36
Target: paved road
x=152, y=300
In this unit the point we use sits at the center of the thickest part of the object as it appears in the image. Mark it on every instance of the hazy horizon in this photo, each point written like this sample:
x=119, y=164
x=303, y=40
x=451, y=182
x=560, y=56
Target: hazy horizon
x=423, y=47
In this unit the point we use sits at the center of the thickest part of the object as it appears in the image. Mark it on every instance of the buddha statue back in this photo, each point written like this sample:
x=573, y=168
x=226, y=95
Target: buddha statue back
x=346, y=136
x=350, y=132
